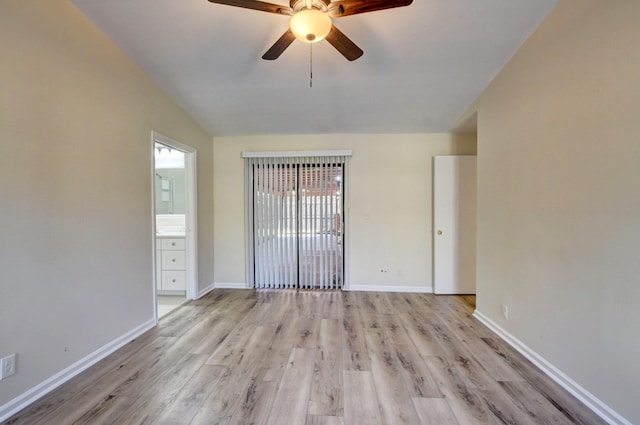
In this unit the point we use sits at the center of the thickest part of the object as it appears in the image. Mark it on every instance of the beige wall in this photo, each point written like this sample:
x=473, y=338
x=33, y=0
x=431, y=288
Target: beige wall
x=559, y=197
x=390, y=215
x=75, y=189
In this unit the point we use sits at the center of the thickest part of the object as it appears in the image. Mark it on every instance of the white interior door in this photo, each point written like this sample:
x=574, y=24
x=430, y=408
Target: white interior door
x=454, y=218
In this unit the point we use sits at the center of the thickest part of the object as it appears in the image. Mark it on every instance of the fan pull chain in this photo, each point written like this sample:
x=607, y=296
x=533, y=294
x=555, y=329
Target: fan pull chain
x=310, y=65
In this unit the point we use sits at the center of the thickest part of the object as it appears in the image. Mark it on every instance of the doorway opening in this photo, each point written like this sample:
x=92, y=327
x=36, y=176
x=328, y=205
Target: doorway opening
x=174, y=218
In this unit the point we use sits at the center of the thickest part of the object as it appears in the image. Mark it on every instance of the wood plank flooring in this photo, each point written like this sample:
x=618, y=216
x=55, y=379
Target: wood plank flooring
x=313, y=358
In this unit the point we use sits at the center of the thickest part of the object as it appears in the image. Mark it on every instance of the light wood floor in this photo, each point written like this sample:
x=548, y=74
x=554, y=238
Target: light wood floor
x=314, y=358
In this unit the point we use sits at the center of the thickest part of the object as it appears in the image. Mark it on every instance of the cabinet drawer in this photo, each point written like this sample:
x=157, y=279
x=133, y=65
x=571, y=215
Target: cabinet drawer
x=173, y=260
x=174, y=281
x=173, y=243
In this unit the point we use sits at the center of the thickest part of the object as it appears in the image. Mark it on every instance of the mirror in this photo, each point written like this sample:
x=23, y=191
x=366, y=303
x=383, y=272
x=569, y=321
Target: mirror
x=170, y=180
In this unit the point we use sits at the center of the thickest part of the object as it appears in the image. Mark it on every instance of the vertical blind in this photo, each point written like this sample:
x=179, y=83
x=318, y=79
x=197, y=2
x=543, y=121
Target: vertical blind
x=295, y=221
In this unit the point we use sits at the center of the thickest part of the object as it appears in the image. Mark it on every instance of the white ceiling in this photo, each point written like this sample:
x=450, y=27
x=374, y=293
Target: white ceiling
x=423, y=65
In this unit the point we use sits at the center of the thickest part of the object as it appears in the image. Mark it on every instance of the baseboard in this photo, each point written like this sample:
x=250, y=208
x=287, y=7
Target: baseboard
x=352, y=287
x=382, y=288
x=25, y=399
x=588, y=399
x=231, y=285
x=206, y=290
x=369, y=288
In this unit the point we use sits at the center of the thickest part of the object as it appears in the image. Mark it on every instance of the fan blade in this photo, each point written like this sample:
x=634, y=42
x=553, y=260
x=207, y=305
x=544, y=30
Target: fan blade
x=279, y=46
x=342, y=44
x=257, y=5
x=340, y=8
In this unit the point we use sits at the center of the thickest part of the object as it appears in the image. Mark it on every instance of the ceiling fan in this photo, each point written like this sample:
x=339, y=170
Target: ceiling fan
x=311, y=21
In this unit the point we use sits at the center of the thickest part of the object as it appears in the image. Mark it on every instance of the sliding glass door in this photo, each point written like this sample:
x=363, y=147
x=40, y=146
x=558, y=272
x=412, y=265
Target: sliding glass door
x=319, y=225
x=296, y=221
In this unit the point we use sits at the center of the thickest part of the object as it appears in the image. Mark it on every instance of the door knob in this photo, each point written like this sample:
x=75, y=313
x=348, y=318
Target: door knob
x=439, y=232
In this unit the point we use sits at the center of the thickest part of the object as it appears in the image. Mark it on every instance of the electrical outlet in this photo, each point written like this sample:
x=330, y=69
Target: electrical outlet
x=505, y=311
x=7, y=366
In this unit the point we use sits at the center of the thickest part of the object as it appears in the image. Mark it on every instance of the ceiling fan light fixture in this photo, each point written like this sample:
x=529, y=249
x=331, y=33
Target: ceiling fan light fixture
x=310, y=25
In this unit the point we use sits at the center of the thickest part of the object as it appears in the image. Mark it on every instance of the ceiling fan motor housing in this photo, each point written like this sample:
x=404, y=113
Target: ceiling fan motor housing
x=298, y=5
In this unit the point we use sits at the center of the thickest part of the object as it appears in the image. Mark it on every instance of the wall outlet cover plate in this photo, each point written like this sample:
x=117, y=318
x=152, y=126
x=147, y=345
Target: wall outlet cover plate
x=7, y=366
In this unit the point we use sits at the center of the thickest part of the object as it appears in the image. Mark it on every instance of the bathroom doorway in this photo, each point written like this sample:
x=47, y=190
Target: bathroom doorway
x=174, y=218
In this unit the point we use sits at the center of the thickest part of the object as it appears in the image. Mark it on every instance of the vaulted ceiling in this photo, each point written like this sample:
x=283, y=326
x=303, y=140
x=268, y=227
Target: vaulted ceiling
x=423, y=64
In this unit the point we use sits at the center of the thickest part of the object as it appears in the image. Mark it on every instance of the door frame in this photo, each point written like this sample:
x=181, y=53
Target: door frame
x=191, y=211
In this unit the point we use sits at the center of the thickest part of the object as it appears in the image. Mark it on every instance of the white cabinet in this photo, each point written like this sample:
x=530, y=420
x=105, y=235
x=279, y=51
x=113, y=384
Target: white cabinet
x=173, y=260
x=173, y=280
x=171, y=273
x=172, y=243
